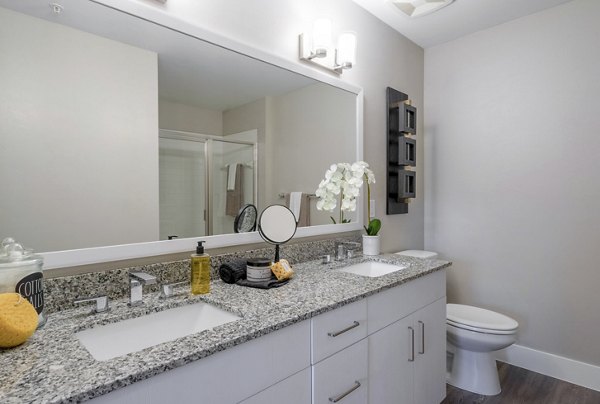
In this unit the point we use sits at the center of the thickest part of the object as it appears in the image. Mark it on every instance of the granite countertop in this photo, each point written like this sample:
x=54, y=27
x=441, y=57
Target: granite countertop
x=53, y=367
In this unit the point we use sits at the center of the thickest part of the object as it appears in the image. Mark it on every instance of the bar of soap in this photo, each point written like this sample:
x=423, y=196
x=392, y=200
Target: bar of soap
x=18, y=320
x=282, y=270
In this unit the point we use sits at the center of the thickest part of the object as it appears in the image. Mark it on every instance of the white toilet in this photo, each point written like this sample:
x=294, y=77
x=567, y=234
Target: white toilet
x=473, y=334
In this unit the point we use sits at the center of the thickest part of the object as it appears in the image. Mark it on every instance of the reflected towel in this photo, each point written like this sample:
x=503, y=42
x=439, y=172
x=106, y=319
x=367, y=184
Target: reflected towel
x=231, y=174
x=303, y=219
x=234, y=198
x=295, y=203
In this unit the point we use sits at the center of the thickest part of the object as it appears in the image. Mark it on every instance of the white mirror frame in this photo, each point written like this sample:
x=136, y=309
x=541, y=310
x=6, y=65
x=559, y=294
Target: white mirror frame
x=84, y=256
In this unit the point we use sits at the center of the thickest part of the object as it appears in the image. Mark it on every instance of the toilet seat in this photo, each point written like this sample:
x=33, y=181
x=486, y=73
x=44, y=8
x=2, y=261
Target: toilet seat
x=481, y=330
x=479, y=320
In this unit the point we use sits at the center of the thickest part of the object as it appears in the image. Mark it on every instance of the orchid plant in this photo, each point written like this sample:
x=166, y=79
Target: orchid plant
x=342, y=183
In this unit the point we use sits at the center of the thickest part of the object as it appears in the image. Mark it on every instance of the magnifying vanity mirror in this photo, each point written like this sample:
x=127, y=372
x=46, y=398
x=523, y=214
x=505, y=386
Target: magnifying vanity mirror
x=118, y=131
x=277, y=225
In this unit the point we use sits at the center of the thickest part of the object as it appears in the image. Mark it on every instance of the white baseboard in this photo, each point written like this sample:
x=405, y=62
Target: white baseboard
x=559, y=367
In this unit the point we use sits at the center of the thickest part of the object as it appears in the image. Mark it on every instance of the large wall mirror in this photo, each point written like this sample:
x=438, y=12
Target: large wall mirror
x=121, y=137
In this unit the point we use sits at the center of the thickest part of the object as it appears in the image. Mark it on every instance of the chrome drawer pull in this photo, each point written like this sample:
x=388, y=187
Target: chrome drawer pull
x=422, y=325
x=411, y=331
x=338, y=398
x=335, y=334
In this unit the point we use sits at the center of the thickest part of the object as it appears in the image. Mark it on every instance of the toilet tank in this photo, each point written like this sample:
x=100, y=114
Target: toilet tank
x=425, y=255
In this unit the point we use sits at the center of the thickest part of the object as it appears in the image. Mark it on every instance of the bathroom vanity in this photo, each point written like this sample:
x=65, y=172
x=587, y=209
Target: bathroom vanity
x=327, y=335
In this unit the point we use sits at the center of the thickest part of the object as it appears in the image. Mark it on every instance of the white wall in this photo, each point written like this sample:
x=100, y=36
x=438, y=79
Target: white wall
x=512, y=174
x=384, y=58
x=188, y=118
x=300, y=120
x=252, y=116
x=111, y=128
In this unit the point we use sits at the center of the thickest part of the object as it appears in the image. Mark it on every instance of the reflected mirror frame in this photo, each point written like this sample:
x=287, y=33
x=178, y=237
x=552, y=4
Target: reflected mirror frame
x=240, y=219
x=70, y=258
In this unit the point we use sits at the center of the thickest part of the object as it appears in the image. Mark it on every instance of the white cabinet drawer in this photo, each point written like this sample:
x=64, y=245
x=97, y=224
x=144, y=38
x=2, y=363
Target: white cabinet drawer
x=337, y=329
x=393, y=304
x=293, y=390
x=342, y=377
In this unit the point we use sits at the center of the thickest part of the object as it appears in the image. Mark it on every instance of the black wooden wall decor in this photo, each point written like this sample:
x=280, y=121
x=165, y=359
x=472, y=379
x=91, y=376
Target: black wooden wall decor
x=401, y=152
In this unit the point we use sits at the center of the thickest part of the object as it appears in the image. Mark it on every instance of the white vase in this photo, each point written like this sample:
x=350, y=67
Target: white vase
x=370, y=245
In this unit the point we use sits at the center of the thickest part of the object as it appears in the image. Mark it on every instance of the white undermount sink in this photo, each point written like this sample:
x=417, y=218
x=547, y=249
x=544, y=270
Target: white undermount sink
x=372, y=269
x=132, y=335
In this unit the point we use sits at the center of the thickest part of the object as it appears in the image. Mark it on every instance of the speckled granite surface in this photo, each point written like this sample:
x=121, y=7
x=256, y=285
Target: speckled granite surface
x=59, y=293
x=52, y=367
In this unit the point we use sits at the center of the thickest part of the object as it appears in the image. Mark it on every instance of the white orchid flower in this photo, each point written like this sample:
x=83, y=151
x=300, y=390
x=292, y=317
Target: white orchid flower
x=333, y=188
x=342, y=183
x=370, y=176
x=349, y=205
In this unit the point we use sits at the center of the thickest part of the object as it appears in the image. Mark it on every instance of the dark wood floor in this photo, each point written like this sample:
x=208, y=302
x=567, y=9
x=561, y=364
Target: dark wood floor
x=524, y=386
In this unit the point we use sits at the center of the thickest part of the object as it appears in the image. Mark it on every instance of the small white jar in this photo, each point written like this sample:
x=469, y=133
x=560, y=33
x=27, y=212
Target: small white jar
x=21, y=272
x=258, y=269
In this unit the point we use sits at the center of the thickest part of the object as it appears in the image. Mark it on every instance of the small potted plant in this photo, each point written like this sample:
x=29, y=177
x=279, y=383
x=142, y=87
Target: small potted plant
x=371, y=241
x=342, y=183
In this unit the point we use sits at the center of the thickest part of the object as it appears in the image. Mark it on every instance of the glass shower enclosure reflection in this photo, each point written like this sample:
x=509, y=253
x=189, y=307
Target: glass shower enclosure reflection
x=204, y=181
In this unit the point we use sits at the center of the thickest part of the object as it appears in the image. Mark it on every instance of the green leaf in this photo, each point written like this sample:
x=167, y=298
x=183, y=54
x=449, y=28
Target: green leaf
x=374, y=227
x=342, y=221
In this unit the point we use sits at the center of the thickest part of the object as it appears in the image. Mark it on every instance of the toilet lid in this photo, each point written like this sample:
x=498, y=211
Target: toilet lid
x=476, y=318
x=418, y=254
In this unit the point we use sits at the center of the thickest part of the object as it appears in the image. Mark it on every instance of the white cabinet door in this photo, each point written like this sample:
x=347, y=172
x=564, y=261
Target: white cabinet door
x=342, y=377
x=390, y=363
x=430, y=347
x=293, y=390
x=407, y=359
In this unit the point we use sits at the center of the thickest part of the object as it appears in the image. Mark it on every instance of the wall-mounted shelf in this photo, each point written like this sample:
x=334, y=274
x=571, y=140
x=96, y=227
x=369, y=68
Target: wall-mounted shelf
x=401, y=152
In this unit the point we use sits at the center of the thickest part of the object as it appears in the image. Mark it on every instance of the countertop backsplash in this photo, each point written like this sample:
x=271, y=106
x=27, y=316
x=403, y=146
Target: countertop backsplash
x=60, y=292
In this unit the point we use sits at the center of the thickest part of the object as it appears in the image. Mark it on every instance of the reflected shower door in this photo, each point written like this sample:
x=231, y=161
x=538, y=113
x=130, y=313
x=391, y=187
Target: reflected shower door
x=182, y=188
x=233, y=179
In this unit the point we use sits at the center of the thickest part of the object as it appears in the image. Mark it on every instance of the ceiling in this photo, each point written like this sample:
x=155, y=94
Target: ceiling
x=460, y=18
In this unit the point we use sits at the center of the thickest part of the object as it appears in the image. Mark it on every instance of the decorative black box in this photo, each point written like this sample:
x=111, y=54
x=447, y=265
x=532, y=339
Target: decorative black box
x=407, y=184
x=407, y=119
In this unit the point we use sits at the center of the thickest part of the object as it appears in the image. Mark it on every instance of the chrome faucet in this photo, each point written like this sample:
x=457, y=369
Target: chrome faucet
x=167, y=289
x=340, y=251
x=351, y=249
x=137, y=280
x=345, y=249
x=101, y=303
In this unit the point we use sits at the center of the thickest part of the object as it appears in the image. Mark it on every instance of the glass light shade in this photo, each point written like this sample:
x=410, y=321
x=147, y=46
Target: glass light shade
x=321, y=36
x=346, y=49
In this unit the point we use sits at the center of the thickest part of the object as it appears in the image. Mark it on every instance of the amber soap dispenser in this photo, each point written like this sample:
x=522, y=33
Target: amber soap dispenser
x=200, y=283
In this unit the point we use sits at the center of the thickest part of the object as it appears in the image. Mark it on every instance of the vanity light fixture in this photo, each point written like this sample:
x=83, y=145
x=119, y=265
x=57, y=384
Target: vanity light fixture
x=317, y=48
x=417, y=8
